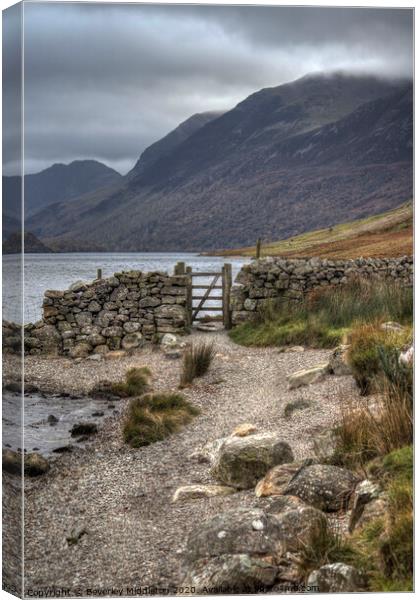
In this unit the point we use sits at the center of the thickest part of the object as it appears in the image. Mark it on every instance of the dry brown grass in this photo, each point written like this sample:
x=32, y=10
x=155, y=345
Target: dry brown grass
x=197, y=360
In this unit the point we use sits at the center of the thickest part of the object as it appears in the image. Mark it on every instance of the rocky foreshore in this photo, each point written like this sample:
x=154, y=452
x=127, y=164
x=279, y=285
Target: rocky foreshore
x=220, y=503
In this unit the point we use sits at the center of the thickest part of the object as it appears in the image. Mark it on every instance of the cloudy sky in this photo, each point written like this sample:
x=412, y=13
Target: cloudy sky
x=105, y=81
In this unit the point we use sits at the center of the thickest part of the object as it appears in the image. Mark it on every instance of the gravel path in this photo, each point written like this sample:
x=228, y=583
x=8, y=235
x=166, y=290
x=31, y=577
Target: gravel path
x=122, y=497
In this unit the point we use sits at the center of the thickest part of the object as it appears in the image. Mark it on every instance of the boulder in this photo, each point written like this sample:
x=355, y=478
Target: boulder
x=243, y=550
x=326, y=487
x=242, y=462
x=208, y=452
x=236, y=531
x=299, y=526
x=12, y=461
x=365, y=492
x=230, y=574
x=83, y=429
x=35, y=464
x=338, y=363
x=132, y=340
x=307, y=376
x=244, y=429
x=373, y=510
x=275, y=481
x=336, y=578
x=195, y=492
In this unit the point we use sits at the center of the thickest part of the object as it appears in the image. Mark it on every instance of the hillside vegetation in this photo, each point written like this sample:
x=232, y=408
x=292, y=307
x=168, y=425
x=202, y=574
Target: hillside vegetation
x=385, y=235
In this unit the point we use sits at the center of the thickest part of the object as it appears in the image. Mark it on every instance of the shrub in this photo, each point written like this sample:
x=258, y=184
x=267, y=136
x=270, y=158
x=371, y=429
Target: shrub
x=197, y=361
x=137, y=382
x=325, y=314
x=154, y=417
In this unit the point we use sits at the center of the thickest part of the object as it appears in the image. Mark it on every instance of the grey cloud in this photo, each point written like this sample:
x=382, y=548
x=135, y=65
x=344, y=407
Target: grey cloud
x=106, y=81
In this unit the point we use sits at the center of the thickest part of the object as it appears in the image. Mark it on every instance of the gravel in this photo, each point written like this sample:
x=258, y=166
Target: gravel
x=122, y=497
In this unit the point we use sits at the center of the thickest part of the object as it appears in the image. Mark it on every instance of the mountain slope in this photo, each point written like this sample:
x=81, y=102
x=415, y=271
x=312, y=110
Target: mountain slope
x=384, y=235
x=286, y=160
x=168, y=143
x=58, y=183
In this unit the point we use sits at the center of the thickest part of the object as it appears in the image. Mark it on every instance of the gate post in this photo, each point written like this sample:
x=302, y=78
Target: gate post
x=188, y=272
x=179, y=268
x=226, y=284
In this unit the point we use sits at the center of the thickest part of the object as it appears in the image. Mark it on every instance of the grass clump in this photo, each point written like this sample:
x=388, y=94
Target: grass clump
x=324, y=315
x=291, y=407
x=375, y=352
x=153, y=417
x=385, y=545
x=137, y=382
x=197, y=360
x=326, y=545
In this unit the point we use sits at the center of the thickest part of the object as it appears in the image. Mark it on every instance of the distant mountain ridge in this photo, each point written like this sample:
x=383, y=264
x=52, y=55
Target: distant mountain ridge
x=309, y=154
x=57, y=183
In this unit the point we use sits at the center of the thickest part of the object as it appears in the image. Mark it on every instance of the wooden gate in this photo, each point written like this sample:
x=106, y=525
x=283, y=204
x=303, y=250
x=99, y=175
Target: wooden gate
x=202, y=292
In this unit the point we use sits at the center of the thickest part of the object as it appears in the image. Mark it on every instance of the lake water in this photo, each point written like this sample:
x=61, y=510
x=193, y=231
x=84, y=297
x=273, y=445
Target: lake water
x=39, y=434
x=59, y=271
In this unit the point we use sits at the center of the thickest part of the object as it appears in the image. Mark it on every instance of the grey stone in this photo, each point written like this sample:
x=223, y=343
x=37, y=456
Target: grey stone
x=132, y=340
x=326, y=487
x=242, y=462
x=336, y=578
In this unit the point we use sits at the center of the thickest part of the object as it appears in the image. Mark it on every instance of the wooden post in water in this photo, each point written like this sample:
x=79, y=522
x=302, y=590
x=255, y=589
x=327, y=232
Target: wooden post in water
x=226, y=285
x=258, y=249
x=99, y=274
x=189, y=306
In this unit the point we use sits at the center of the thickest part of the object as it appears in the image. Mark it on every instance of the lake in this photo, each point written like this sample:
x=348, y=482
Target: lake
x=59, y=271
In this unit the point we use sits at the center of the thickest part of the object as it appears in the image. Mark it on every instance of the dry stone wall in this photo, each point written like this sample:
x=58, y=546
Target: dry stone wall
x=272, y=278
x=120, y=312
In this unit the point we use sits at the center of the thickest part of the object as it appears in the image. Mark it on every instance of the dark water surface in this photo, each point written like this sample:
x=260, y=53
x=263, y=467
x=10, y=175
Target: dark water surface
x=39, y=434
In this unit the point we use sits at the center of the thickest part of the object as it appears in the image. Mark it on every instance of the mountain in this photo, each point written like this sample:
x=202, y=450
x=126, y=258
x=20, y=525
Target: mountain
x=13, y=245
x=165, y=145
x=58, y=183
x=304, y=155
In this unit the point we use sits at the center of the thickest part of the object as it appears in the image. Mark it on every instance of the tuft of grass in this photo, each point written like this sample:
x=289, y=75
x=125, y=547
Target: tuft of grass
x=325, y=315
x=372, y=352
x=385, y=545
x=153, y=417
x=137, y=382
x=364, y=433
x=197, y=361
x=291, y=407
x=326, y=545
